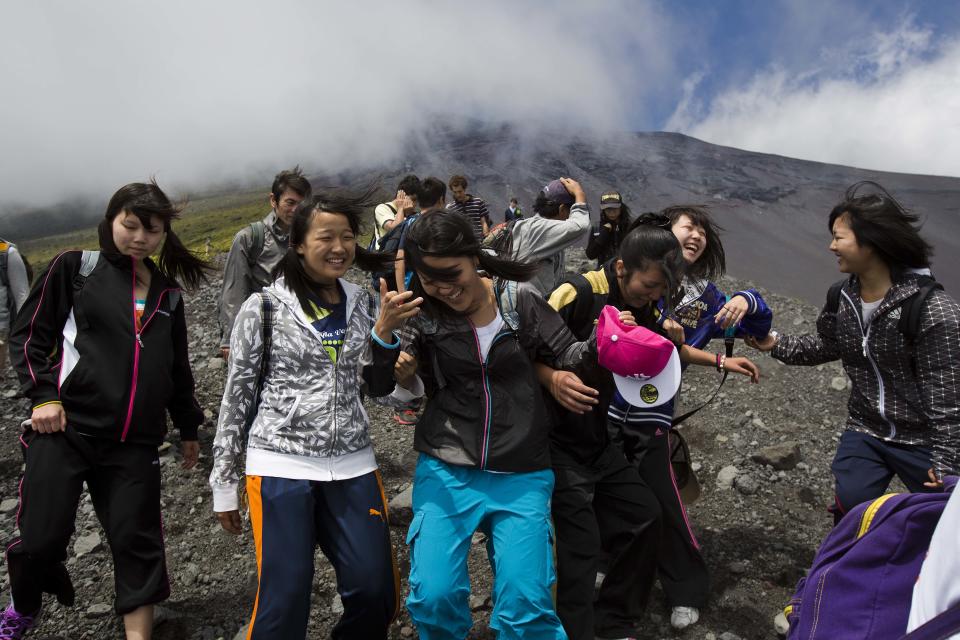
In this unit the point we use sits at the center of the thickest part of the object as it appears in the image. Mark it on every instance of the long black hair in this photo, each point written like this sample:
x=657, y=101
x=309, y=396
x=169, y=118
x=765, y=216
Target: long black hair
x=650, y=242
x=623, y=222
x=145, y=200
x=712, y=263
x=880, y=222
x=449, y=235
x=352, y=206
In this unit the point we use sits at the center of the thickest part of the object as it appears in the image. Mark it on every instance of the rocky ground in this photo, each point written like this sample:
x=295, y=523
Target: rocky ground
x=758, y=525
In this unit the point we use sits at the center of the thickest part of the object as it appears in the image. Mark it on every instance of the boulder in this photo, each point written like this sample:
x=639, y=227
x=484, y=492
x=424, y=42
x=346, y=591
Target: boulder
x=782, y=457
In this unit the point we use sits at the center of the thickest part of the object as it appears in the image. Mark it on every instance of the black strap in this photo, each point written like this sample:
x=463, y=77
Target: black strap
x=266, y=325
x=728, y=348
x=941, y=627
x=912, y=309
x=833, y=296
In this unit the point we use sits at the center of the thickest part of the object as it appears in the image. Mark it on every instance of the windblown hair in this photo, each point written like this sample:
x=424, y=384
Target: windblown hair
x=432, y=191
x=290, y=179
x=712, y=263
x=352, y=206
x=458, y=181
x=444, y=235
x=145, y=200
x=880, y=222
x=650, y=242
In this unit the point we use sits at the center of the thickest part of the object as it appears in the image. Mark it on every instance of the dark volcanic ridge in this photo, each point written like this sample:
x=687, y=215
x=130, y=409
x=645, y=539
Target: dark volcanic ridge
x=774, y=208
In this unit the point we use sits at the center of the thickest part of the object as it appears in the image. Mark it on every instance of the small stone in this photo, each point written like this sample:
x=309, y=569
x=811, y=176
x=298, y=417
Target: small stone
x=758, y=423
x=739, y=567
x=477, y=603
x=190, y=573
x=747, y=485
x=401, y=508
x=215, y=364
x=336, y=605
x=696, y=466
x=9, y=505
x=782, y=457
x=726, y=477
x=839, y=383
x=780, y=624
x=726, y=635
x=722, y=438
x=98, y=610
x=89, y=543
x=406, y=632
x=162, y=614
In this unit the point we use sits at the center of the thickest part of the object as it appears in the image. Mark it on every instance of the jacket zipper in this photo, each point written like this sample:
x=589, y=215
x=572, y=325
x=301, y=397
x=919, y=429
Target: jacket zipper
x=488, y=402
x=137, y=346
x=876, y=370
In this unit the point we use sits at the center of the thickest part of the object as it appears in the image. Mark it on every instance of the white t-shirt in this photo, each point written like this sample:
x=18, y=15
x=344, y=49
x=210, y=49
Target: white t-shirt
x=869, y=308
x=487, y=333
x=383, y=214
x=938, y=587
x=485, y=336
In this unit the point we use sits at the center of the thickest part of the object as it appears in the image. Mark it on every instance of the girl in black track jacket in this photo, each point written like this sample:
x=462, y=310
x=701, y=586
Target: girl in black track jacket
x=100, y=349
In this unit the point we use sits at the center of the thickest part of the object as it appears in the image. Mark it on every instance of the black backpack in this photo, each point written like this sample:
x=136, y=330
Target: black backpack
x=910, y=310
x=391, y=242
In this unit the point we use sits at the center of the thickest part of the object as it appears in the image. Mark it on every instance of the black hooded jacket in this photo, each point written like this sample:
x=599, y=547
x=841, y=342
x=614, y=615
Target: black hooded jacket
x=76, y=341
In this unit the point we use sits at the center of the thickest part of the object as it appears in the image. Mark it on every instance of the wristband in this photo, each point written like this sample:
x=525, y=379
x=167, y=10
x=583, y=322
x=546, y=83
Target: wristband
x=721, y=361
x=43, y=404
x=376, y=338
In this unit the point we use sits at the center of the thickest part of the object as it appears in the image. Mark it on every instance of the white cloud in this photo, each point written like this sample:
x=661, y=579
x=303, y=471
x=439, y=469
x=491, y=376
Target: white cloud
x=890, y=107
x=96, y=94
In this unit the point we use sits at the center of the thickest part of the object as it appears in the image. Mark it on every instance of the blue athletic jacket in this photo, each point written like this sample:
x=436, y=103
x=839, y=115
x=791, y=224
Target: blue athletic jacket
x=702, y=300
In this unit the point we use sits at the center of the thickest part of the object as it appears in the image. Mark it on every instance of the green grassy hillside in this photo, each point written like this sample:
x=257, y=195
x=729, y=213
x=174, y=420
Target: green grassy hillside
x=217, y=218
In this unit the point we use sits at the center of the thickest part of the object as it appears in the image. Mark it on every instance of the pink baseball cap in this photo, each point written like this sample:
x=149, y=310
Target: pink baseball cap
x=645, y=366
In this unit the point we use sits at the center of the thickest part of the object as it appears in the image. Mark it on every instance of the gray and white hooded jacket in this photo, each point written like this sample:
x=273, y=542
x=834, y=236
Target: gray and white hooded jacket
x=310, y=423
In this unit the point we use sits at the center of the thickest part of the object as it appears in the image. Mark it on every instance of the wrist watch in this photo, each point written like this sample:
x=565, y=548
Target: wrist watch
x=776, y=336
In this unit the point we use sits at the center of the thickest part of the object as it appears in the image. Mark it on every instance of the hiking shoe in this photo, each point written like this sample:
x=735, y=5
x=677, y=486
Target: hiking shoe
x=683, y=617
x=406, y=417
x=13, y=625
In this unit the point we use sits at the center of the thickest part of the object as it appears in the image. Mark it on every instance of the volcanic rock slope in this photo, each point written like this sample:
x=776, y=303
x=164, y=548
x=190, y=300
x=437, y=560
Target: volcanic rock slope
x=758, y=525
x=774, y=208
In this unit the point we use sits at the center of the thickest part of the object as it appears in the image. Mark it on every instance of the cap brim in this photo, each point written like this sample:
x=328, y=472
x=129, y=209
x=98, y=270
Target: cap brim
x=610, y=205
x=654, y=391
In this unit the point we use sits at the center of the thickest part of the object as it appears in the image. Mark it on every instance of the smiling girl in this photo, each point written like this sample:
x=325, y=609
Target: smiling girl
x=100, y=348
x=311, y=476
x=703, y=313
x=483, y=437
x=904, y=407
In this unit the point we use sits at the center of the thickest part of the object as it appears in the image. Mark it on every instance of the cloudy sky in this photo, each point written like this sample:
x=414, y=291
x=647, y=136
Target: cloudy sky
x=94, y=94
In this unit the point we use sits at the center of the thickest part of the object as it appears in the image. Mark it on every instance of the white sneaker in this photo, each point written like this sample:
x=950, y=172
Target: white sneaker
x=683, y=617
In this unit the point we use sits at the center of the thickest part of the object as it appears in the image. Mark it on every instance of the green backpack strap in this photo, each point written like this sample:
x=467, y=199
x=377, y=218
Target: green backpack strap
x=258, y=234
